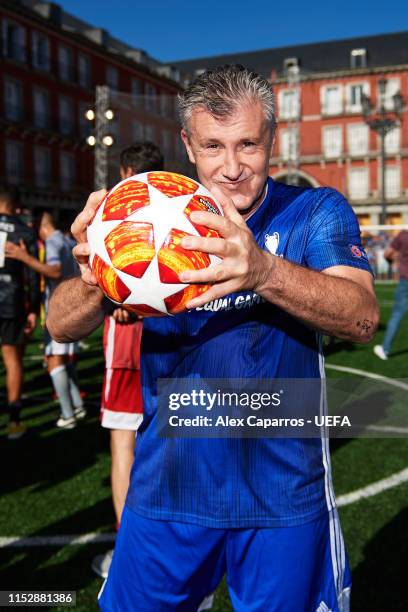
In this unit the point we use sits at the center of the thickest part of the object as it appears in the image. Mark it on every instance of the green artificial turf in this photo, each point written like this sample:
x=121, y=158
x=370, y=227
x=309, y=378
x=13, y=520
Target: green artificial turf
x=57, y=482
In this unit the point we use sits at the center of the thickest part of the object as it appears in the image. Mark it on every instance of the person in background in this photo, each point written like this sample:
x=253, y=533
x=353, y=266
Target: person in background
x=398, y=250
x=18, y=308
x=58, y=265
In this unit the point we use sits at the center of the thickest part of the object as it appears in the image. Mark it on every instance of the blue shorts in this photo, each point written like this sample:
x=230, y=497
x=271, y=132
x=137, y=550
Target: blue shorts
x=161, y=566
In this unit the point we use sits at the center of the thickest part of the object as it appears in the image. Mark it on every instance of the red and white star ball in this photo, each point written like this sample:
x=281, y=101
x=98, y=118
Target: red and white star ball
x=135, y=240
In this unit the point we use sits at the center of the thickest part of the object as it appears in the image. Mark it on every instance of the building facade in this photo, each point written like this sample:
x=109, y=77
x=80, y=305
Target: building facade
x=323, y=138
x=50, y=65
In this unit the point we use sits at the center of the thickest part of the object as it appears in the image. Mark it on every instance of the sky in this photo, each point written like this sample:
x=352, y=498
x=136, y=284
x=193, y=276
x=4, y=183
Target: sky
x=186, y=29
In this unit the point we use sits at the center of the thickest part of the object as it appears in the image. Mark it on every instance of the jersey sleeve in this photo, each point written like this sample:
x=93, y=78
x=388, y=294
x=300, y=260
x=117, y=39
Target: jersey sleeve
x=334, y=237
x=53, y=252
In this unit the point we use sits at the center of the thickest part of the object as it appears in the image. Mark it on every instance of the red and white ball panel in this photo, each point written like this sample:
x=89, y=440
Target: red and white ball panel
x=135, y=241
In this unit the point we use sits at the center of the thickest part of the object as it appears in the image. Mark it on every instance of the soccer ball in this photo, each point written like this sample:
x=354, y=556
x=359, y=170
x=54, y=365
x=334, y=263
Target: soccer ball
x=135, y=239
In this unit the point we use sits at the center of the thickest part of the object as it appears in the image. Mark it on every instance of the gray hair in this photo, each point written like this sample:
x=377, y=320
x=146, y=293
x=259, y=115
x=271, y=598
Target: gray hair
x=221, y=90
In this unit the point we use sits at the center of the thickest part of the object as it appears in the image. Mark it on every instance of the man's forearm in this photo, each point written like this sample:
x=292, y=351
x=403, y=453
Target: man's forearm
x=333, y=305
x=48, y=270
x=75, y=310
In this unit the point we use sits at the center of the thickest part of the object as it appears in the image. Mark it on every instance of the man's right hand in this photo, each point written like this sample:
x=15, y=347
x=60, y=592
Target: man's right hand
x=81, y=251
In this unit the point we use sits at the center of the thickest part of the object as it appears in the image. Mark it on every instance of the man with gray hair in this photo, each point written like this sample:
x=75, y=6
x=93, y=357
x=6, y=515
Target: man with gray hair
x=261, y=510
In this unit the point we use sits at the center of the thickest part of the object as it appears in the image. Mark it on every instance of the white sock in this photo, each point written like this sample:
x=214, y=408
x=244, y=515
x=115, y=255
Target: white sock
x=60, y=381
x=74, y=386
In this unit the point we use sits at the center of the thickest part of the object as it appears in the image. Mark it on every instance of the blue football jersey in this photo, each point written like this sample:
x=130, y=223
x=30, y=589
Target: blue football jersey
x=230, y=483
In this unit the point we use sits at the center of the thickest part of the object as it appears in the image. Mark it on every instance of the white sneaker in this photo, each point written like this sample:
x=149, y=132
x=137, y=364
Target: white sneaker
x=80, y=412
x=379, y=351
x=101, y=564
x=69, y=423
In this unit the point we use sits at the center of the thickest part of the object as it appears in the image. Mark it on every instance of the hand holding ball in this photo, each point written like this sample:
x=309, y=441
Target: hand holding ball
x=135, y=241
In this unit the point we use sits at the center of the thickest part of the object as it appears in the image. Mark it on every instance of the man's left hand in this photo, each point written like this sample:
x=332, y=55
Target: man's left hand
x=244, y=265
x=16, y=251
x=30, y=324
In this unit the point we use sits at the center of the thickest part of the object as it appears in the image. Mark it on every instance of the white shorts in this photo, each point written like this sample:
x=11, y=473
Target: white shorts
x=52, y=347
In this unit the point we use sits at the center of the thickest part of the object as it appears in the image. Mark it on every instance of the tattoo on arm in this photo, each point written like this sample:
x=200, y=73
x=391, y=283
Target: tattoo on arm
x=366, y=325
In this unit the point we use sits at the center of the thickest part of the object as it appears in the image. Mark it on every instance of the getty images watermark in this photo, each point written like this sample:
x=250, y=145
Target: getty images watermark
x=284, y=408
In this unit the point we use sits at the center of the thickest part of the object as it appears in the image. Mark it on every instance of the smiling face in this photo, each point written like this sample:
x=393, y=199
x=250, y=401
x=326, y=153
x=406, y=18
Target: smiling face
x=232, y=153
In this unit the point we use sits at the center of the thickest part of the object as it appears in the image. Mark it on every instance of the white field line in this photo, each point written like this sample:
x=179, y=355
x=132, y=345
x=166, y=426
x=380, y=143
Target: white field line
x=57, y=540
x=393, y=382
x=344, y=500
x=374, y=489
x=388, y=429
x=391, y=481
x=101, y=538
x=389, y=381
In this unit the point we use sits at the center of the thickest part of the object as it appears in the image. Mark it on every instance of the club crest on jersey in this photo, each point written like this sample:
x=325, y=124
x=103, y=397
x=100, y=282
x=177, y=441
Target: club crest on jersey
x=272, y=242
x=357, y=252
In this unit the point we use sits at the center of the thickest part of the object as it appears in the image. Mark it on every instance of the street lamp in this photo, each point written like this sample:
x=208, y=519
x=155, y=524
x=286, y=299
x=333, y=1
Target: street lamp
x=382, y=120
x=101, y=139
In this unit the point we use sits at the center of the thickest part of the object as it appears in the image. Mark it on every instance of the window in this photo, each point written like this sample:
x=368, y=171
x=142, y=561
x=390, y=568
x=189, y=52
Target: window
x=393, y=86
x=136, y=89
x=392, y=140
x=288, y=104
x=354, y=96
x=357, y=134
x=150, y=132
x=41, y=104
x=332, y=100
x=166, y=104
x=67, y=171
x=66, y=63
x=13, y=99
x=288, y=144
x=150, y=98
x=66, y=115
x=137, y=130
x=358, y=58
x=85, y=126
x=84, y=70
x=40, y=51
x=165, y=144
x=392, y=181
x=358, y=183
x=112, y=77
x=14, y=162
x=14, y=41
x=332, y=141
x=42, y=166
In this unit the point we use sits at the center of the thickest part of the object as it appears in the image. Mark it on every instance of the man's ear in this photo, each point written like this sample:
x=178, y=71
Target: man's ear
x=185, y=139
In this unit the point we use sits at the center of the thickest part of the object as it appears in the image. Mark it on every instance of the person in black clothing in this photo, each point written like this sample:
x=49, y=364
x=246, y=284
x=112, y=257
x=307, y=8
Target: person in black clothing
x=18, y=307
